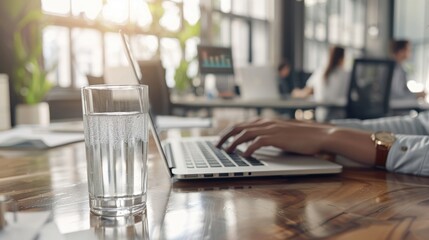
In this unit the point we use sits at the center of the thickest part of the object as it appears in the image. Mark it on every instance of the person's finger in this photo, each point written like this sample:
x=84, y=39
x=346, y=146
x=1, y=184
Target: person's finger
x=259, y=142
x=240, y=127
x=248, y=135
x=232, y=131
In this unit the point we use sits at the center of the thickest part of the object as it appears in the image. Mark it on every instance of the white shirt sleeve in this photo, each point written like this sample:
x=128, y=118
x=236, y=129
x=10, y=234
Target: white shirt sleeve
x=409, y=155
x=314, y=78
x=399, y=124
x=399, y=88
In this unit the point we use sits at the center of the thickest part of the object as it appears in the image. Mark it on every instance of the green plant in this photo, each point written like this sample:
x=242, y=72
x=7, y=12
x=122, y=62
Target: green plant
x=30, y=77
x=181, y=77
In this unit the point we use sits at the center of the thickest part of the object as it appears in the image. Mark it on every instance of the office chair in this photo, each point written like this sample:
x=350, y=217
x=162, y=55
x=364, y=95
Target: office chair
x=153, y=75
x=94, y=80
x=369, y=90
x=300, y=78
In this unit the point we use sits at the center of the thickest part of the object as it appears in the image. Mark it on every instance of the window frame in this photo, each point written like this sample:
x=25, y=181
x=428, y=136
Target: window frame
x=132, y=29
x=326, y=43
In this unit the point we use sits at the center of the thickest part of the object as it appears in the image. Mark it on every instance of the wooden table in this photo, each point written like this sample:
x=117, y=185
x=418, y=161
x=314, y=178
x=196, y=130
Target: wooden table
x=356, y=204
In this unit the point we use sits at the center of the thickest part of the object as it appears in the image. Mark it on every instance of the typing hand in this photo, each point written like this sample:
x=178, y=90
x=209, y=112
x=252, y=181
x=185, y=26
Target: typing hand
x=297, y=137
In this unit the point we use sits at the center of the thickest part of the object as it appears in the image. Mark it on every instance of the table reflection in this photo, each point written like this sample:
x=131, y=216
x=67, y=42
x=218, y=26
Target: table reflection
x=126, y=228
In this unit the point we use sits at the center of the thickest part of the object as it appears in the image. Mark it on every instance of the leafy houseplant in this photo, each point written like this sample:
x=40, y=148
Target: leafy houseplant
x=188, y=31
x=30, y=78
x=181, y=77
x=31, y=83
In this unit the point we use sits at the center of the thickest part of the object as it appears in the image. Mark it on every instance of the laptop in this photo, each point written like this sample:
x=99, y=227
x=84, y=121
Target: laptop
x=198, y=158
x=258, y=83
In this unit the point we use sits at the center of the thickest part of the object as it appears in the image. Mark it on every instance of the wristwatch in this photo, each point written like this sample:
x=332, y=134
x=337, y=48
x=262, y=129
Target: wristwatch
x=383, y=142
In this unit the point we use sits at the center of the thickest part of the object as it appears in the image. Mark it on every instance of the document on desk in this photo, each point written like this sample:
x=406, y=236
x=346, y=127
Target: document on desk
x=166, y=122
x=36, y=138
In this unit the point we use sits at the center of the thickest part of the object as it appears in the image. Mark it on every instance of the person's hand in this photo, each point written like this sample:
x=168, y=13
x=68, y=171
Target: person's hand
x=298, y=93
x=291, y=136
x=302, y=93
x=421, y=94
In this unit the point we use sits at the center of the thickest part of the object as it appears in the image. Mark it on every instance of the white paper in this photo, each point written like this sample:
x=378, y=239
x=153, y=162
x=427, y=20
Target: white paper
x=29, y=225
x=36, y=138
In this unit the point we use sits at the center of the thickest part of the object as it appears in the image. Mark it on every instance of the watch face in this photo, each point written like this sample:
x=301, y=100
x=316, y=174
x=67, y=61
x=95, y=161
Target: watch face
x=385, y=137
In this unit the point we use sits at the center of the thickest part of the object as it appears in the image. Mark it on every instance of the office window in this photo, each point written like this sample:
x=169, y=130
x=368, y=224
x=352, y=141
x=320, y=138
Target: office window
x=114, y=50
x=57, y=7
x=259, y=38
x=88, y=9
x=171, y=55
x=81, y=36
x=171, y=19
x=220, y=30
x=240, y=48
x=332, y=22
x=245, y=26
x=144, y=47
x=411, y=21
x=140, y=14
x=56, y=54
x=87, y=54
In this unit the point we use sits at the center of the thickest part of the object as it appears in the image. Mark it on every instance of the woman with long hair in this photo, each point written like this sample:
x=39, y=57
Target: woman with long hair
x=328, y=84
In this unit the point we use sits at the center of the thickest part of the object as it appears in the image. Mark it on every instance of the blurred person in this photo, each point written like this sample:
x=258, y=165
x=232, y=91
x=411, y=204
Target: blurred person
x=285, y=81
x=328, y=84
x=401, y=52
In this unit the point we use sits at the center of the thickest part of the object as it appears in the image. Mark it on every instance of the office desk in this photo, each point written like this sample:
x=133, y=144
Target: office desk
x=280, y=104
x=356, y=204
x=396, y=106
x=407, y=105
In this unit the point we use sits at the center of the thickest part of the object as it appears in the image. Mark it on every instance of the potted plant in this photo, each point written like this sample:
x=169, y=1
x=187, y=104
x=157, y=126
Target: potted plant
x=182, y=79
x=30, y=77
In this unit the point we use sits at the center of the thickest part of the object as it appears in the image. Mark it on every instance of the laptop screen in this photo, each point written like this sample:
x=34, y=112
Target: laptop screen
x=139, y=77
x=215, y=60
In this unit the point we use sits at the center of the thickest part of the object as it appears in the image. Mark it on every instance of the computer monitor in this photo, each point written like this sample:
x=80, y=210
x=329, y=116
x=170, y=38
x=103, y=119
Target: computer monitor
x=215, y=60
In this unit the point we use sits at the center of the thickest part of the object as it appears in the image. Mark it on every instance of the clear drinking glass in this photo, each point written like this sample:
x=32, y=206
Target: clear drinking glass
x=116, y=135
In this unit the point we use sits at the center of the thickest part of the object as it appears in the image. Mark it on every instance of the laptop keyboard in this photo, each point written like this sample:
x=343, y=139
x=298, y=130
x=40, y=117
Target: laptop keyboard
x=207, y=155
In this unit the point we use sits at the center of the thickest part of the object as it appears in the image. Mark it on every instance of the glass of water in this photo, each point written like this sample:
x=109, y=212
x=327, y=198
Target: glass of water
x=116, y=135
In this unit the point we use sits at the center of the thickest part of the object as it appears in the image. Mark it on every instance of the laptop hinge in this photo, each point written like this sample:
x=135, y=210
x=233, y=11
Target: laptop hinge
x=169, y=156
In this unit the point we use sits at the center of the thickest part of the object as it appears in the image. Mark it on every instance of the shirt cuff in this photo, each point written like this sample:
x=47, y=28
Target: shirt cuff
x=409, y=155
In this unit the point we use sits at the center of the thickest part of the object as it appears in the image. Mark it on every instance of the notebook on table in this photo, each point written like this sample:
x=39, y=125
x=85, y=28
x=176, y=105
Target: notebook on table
x=198, y=158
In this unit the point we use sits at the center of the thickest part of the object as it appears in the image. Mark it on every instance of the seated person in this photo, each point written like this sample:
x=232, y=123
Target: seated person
x=284, y=78
x=402, y=148
x=401, y=52
x=329, y=84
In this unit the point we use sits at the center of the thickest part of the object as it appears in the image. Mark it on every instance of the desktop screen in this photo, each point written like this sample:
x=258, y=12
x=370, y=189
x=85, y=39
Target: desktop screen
x=215, y=60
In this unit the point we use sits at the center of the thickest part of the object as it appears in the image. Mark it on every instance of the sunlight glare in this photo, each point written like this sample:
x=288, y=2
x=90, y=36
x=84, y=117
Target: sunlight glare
x=140, y=13
x=171, y=18
x=225, y=5
x=56, y=6
x=415, y=86
x=191, y=11
x=116, y=11
x=91, y=9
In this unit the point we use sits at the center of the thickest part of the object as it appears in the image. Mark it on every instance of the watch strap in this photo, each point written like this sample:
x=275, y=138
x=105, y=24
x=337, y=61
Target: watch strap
x=381, y=156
